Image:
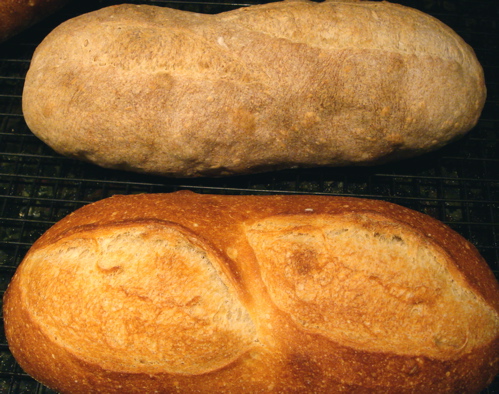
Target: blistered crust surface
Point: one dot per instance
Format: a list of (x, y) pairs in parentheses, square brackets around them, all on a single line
[(370, 283), (153, 298)]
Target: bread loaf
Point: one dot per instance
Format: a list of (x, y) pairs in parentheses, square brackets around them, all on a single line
[(280, 85), (17, 15), (201, 293)]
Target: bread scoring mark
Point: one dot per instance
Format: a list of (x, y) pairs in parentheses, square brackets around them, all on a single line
[(368, 282), (350, 25), (148, 294)]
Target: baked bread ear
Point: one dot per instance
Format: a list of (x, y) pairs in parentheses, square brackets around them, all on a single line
[(272, 86), (204, 293), (18, 15)]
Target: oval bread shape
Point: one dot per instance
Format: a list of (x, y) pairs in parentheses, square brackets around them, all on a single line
[(285, 84), (153, 299), (369, 283), (203, 293)]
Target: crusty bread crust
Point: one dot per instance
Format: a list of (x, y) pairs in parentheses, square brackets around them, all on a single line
[(17, 15), (204, 293), (285, 84)]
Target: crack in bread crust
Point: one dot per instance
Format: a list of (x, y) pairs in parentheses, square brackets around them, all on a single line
[(369, 283), (154, 297)]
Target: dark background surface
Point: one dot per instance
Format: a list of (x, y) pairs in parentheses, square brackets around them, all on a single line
[(458, 184)]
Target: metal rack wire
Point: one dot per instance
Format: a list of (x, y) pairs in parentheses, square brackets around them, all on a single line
[(458, 184)]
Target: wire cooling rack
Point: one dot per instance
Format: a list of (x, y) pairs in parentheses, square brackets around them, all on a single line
[(458, 184)]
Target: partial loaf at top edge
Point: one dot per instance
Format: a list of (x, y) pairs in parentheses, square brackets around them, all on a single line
[(16, 16)]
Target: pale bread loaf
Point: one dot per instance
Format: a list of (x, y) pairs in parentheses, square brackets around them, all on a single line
[(200, 293), (285, 84)]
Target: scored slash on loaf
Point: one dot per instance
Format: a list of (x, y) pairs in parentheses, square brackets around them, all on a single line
[(200, 293), (266, 87)]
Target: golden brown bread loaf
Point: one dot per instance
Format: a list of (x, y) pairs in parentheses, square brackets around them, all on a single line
[(17, 15), (200, 293), (285, 84)]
